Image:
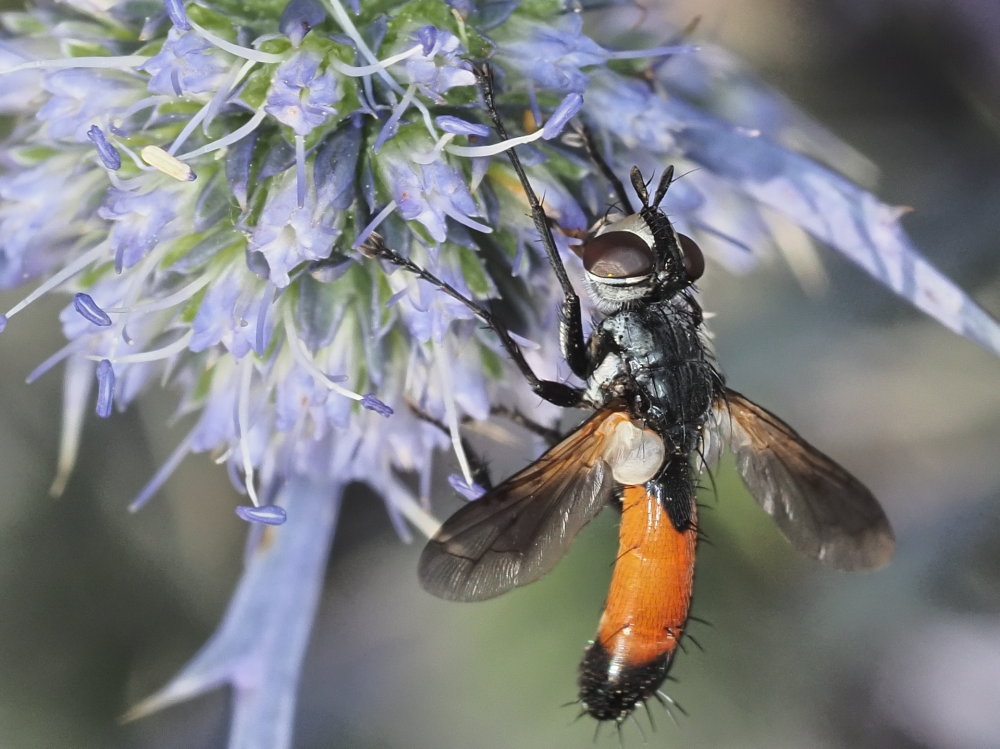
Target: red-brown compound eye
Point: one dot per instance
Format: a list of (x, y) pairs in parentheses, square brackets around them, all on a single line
[(618, 254), (694, 260)]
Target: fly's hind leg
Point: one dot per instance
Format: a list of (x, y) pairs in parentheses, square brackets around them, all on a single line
[(479, 466)]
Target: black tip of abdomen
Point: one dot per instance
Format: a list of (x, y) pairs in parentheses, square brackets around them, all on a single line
[(609, 693)]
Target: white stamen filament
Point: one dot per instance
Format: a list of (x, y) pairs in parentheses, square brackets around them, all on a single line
[(192, 123), (164, 352), (230, 138), (180, 296), (136, 160), (243, 427), (444, 362), (374, 224), (87, 258), (300, 170), (65, 63), (77, 383), (134, 288), (234, 49), (397, 114), (305, 360), (213, 104), (361, 71), (494, 148), (435, 153), (136, 107), (422, 520), (467, 221), (163, 473), (428, 120), (63, 353), (638, 54), (347, 26)]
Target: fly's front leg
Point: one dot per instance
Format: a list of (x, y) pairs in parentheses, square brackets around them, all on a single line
[(571, 340), (558, 393)]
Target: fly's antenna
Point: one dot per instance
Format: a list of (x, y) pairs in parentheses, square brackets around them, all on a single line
[(639, 186), (665, 181)]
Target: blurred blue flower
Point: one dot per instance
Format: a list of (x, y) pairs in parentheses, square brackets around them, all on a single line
[(307, 130)]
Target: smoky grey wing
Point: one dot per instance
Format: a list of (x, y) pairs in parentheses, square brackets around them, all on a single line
[(819, 507), (518, 531)]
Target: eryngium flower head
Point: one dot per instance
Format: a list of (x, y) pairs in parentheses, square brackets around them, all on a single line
[(197, 183)]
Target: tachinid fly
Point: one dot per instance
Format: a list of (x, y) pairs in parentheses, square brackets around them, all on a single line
[(661, 412)]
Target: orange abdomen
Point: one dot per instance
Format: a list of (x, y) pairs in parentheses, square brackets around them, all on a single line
[(646, 610)]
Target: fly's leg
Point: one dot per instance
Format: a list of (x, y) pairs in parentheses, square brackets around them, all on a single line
[(477, 464), (550, 435), (558, 393), (571, 338)]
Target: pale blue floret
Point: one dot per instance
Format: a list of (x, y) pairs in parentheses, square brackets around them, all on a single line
[(139, 219), (187, 64), (33, 244), (430, 193), (287, 234), (551, 56), (79, 98), (302, 96), (440, 67), (233, 313)]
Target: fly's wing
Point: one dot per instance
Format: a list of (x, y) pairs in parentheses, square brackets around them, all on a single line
[(517, 532), (820, 508)]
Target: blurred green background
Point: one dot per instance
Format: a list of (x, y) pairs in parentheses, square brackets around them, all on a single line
[(101, 607)]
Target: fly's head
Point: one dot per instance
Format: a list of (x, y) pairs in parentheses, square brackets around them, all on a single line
[(640, 259)]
